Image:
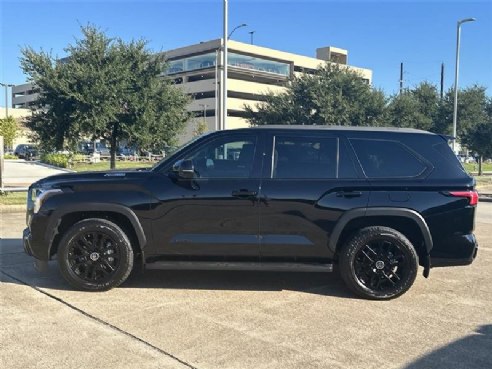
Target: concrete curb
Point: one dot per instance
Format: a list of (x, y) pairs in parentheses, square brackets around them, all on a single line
[(485, 197), (53, 167), (12, 209)]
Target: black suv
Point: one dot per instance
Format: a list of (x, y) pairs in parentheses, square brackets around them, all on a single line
[(376, 202)]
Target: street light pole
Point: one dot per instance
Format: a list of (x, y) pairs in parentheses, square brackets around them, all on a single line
[(204, 106), (217, 89), (456, 73), (6, 85), (251, 33), (235, 28), (224, 80)]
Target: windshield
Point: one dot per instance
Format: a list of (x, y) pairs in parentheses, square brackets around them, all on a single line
[(173, 153)]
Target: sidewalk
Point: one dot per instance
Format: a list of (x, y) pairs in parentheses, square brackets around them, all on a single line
[(21, 173)]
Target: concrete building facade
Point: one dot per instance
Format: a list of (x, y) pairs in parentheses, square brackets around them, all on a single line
[(253, 71), (24, 96)]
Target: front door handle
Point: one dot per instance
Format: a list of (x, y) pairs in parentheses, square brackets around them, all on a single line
[(244, 194), (349, 194)]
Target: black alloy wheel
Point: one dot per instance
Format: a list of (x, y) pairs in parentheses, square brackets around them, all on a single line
[(95, 254), (379, 263)]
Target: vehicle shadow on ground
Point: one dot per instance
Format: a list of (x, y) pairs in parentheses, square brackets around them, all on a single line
[(329, 284), (19, 266), (473, 351)]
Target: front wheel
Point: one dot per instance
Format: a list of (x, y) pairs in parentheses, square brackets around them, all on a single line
[(95, 255), (378, 263)]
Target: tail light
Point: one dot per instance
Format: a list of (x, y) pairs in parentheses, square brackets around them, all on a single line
[(471, 195)]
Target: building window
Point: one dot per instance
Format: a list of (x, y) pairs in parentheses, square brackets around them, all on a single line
[(258, 64), (235, 60), (191, 63)]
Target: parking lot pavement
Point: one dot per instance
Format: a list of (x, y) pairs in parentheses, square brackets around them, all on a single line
[(181, 319), (21, 173)]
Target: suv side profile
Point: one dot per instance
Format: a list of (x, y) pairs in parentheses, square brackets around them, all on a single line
[(378, 202), (25, 151)]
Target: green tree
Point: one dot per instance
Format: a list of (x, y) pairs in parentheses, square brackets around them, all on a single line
[(105, 89), (200, 128), (333, 95), (9, 130), (472, 109), (414, 108), (479, 139)]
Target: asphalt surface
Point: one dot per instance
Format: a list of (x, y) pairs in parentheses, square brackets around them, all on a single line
[(183, 319), (21, 173)]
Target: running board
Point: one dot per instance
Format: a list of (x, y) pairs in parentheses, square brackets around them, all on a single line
[(232, 265)]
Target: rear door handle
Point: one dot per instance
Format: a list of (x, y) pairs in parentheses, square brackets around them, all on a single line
[(244, 194), (349, 194)]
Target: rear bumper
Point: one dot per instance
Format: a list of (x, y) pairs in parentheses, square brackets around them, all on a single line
[(460, 250)]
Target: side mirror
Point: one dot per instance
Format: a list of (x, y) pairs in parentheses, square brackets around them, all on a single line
[(184, 169)]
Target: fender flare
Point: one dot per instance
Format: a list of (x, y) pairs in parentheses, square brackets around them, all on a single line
[(381, 211), (59, 213)]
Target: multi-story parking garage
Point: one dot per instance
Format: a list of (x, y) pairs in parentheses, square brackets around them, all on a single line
[(24, 96), (253, 71)]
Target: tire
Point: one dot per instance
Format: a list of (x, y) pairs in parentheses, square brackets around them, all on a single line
[(95, 255), (378, 263)]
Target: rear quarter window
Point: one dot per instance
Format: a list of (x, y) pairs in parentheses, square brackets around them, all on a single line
[(387, 159)]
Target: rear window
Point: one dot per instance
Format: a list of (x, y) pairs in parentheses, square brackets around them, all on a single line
[(387, 159), (298, 157), (449, 157)]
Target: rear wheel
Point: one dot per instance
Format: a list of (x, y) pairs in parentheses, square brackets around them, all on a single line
[(378, 263), (95, 255)]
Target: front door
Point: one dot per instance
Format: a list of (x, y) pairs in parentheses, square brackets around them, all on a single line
[(215, 213)]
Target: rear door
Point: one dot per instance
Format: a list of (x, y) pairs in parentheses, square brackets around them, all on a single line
[(310, 180)]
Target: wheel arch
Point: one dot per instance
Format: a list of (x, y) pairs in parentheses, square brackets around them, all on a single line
[(63, 218), (406, 221)]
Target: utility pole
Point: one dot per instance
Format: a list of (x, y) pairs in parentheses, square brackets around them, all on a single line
[(442, 81), (401, 78)]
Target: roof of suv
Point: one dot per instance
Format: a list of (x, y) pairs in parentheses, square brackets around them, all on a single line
[(342, 128)]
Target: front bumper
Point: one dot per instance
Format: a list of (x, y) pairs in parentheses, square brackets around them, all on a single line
[(26, 241), (40, 265), (36, 238)]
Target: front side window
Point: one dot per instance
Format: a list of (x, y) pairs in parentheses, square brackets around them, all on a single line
[(387, 159), (305, 157), (225, 158)]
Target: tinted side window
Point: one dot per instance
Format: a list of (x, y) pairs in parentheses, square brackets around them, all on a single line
[(225, 158), (386, 159), (305, 157)]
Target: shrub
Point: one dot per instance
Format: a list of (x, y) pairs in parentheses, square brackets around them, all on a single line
[(58, 160), (76, 158), (10, 156)]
